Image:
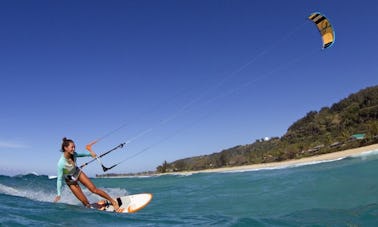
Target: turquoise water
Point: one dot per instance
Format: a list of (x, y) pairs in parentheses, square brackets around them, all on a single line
[(337, 193)]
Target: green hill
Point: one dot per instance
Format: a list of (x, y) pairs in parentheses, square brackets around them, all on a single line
[(350, 123)]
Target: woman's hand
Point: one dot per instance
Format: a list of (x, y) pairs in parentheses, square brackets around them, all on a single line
[(57, 198), (89, 148), (94, 155)]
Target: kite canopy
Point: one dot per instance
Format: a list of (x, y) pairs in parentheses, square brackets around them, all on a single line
[(325, 28)]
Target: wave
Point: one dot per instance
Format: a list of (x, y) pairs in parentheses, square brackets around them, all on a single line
[(238, 169), (31, 193), (26, 175), (41, 188), (285, 166), (365, 154)]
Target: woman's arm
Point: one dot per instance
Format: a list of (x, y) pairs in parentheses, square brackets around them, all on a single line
[(59, 183)]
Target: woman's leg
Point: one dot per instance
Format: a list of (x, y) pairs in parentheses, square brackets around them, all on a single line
[(76, 190), (88, 183)]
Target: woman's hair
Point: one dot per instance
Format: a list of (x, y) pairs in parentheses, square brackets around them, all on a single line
[(65, 143)]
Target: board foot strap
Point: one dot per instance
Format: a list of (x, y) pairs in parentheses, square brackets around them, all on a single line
[(119, 201)]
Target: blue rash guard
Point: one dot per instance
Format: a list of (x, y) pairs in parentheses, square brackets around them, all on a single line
[(68, 171)]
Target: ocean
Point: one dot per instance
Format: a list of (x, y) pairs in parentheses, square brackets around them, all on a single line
[(336, 193)]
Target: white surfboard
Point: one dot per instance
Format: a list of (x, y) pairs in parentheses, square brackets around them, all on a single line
[(127, 204)]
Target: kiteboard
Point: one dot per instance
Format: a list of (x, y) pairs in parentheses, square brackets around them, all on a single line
[(127, 204)]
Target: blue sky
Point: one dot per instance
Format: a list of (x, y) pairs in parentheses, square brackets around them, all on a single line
[(175, 78)]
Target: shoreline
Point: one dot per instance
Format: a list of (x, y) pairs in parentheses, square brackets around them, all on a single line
[(293, 162), (338, 155)]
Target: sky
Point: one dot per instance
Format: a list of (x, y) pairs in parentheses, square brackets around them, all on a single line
[(173, 79)]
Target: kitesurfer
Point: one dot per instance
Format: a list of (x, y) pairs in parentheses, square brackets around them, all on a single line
[(72, 174)]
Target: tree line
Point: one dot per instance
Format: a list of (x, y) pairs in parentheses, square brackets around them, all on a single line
[(350, 123)]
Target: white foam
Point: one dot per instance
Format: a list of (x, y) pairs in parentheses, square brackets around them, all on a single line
[(8, 190), (180, 174), (282, 166), (365, 154), (38, 195), (67, 196)]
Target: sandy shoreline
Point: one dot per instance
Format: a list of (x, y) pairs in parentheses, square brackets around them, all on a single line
[(318, 158)]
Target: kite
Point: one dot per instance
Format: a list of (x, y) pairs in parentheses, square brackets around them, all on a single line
[(325, 28)]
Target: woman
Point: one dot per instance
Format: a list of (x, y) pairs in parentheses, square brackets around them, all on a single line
[(72, 174)]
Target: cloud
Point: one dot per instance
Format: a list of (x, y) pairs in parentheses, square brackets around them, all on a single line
[(8, 144)]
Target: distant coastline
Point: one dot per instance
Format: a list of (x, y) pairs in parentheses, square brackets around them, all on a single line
[(287, 163), (293, 162)]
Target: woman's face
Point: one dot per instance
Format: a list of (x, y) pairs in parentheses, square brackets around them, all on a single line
[(70, 148)]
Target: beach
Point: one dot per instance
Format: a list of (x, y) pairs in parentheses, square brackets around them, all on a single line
[(293, 162)]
